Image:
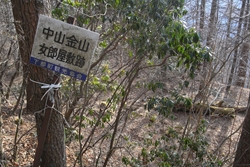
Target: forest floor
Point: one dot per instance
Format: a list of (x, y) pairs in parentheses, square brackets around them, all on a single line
[(223, 131), (220, 127)]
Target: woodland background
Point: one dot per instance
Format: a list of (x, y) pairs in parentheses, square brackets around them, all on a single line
[(168, 85)]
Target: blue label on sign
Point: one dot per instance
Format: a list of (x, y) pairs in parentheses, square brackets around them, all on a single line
[(57, 68)]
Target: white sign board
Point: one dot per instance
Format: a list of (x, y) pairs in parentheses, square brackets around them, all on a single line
[(63, 48)]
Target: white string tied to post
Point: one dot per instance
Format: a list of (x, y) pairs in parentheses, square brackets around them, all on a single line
[(50, 91)]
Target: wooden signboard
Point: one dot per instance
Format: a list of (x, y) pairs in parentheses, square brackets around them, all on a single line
[(63, 48)]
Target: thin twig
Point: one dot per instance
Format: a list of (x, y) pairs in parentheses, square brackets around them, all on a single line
[(28, 131), (220, 145)]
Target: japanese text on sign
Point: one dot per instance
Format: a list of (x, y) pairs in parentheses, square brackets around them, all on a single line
[(63, 48)]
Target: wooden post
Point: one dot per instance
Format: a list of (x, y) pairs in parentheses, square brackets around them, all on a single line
[(46, 120)]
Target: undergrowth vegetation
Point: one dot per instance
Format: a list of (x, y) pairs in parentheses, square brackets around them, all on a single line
[(140, 42), (146, 59)]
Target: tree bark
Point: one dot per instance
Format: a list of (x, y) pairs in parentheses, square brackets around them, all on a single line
[(212, 23), (197, 14), (244, 51), (227, 41), (230, 80), (242, 157), (1, 124), (25, 14), (204, 83), (243, 65), (202, 14)]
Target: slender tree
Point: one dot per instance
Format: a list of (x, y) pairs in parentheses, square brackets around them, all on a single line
[(244, 50), (226, 42), (197, 14), (211, 26), (25, 14), (239, 28), (202, 14)]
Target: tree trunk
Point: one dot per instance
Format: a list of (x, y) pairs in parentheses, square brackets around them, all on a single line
[(212, 23), (1, 124), (244, 51), (230, 80), (242, 157), (25, 14), (243, 65), (204, 83), (227, 41), (202, 14), (198, 96), (197, 13)]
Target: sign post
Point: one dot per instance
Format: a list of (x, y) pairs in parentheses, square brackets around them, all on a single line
[(65, 49)]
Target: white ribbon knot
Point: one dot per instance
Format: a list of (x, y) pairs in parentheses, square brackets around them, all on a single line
[(50, 91)]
